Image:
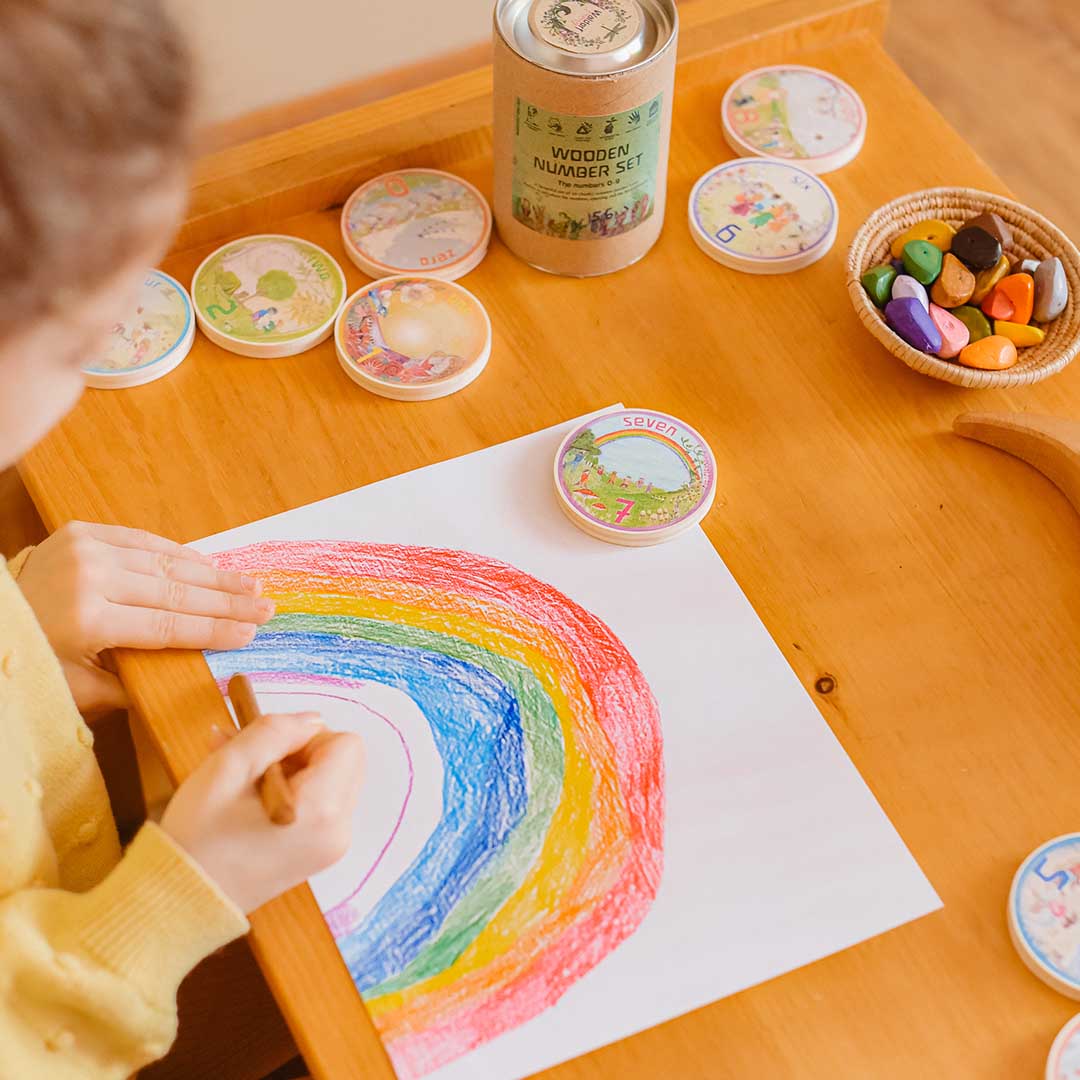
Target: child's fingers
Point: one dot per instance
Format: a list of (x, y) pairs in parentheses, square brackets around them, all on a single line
[(271, 738), (122, 537), (91, 683), (157, 564), (168, 594), (330, 782), (133, 627)]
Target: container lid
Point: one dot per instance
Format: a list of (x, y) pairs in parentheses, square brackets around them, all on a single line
[(151, 340), (1044, 913), (586, 37), (268, 295), (1063, 1061), (413, 337), (763, 216), (635, 477), (588, 27), (417, 221), (801, 114)]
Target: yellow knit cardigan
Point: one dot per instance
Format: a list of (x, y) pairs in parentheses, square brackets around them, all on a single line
[(93, 945)]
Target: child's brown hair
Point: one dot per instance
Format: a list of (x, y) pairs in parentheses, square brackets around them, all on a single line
[(95, 113)]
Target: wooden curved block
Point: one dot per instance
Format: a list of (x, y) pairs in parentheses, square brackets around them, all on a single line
[(1050, 443)]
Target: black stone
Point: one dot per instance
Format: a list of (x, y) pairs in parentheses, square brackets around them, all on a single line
[(976, 248)]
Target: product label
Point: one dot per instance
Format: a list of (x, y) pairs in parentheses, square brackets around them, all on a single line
[(585, 26), (586, 177)]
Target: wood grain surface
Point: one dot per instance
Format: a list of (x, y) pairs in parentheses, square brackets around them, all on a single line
[(998, 70), (1026, 41), (927, 584), (20, 523)]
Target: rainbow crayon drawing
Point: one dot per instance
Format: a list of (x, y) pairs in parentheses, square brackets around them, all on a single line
[(548, 847)]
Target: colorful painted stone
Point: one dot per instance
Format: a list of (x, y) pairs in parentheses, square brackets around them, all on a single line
[(922, 260), (1026, 266), (1020, 289), (912, 322), (878, 283), (906, 285), (954, 334), (985, 280), (1051, 290), (977, 323), (954, 284), (1020, 334), (999, 305), (976, 248), (933, 232), (994, 353), (996, 226)]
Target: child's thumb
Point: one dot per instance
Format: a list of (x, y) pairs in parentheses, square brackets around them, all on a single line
[(271, 738), (96, 690)]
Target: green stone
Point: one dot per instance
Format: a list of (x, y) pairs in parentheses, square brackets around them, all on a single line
[(922, 261), (877, 281), (977, 323)]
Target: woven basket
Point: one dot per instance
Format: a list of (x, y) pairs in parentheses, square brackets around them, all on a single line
[(1033, 238)]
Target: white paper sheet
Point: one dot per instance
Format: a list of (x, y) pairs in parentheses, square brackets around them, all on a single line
[(776, 853)]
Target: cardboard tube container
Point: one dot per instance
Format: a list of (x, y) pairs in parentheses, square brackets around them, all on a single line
[(583, 99)]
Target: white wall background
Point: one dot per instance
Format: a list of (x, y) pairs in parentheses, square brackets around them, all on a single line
[(260, 52)]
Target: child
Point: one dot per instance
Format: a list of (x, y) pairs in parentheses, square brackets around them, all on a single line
[(94, 128)]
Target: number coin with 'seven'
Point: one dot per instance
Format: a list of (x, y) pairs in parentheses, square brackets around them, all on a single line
[(635, 477)]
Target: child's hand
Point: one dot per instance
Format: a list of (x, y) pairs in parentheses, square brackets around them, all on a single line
[(217, 817), (98, 587)]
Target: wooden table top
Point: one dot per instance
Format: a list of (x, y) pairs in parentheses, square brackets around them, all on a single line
[(932, 578)]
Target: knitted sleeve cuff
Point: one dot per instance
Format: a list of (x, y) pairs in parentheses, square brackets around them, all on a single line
[(157, 915)]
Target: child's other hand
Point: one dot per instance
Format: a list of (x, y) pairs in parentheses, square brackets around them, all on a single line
[(217, 817), (98, 587)]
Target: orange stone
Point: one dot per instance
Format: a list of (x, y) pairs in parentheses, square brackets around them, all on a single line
[(954, 284), (1020, 289), (994, 353), (999, 305)]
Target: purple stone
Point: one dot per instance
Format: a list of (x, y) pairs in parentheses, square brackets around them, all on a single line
[(898, 266), (912, 322)]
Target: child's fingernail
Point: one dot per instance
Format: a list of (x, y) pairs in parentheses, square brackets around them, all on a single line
[(246, 632), (251, 585), (219, 737), (265, 607), (312, 718)]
